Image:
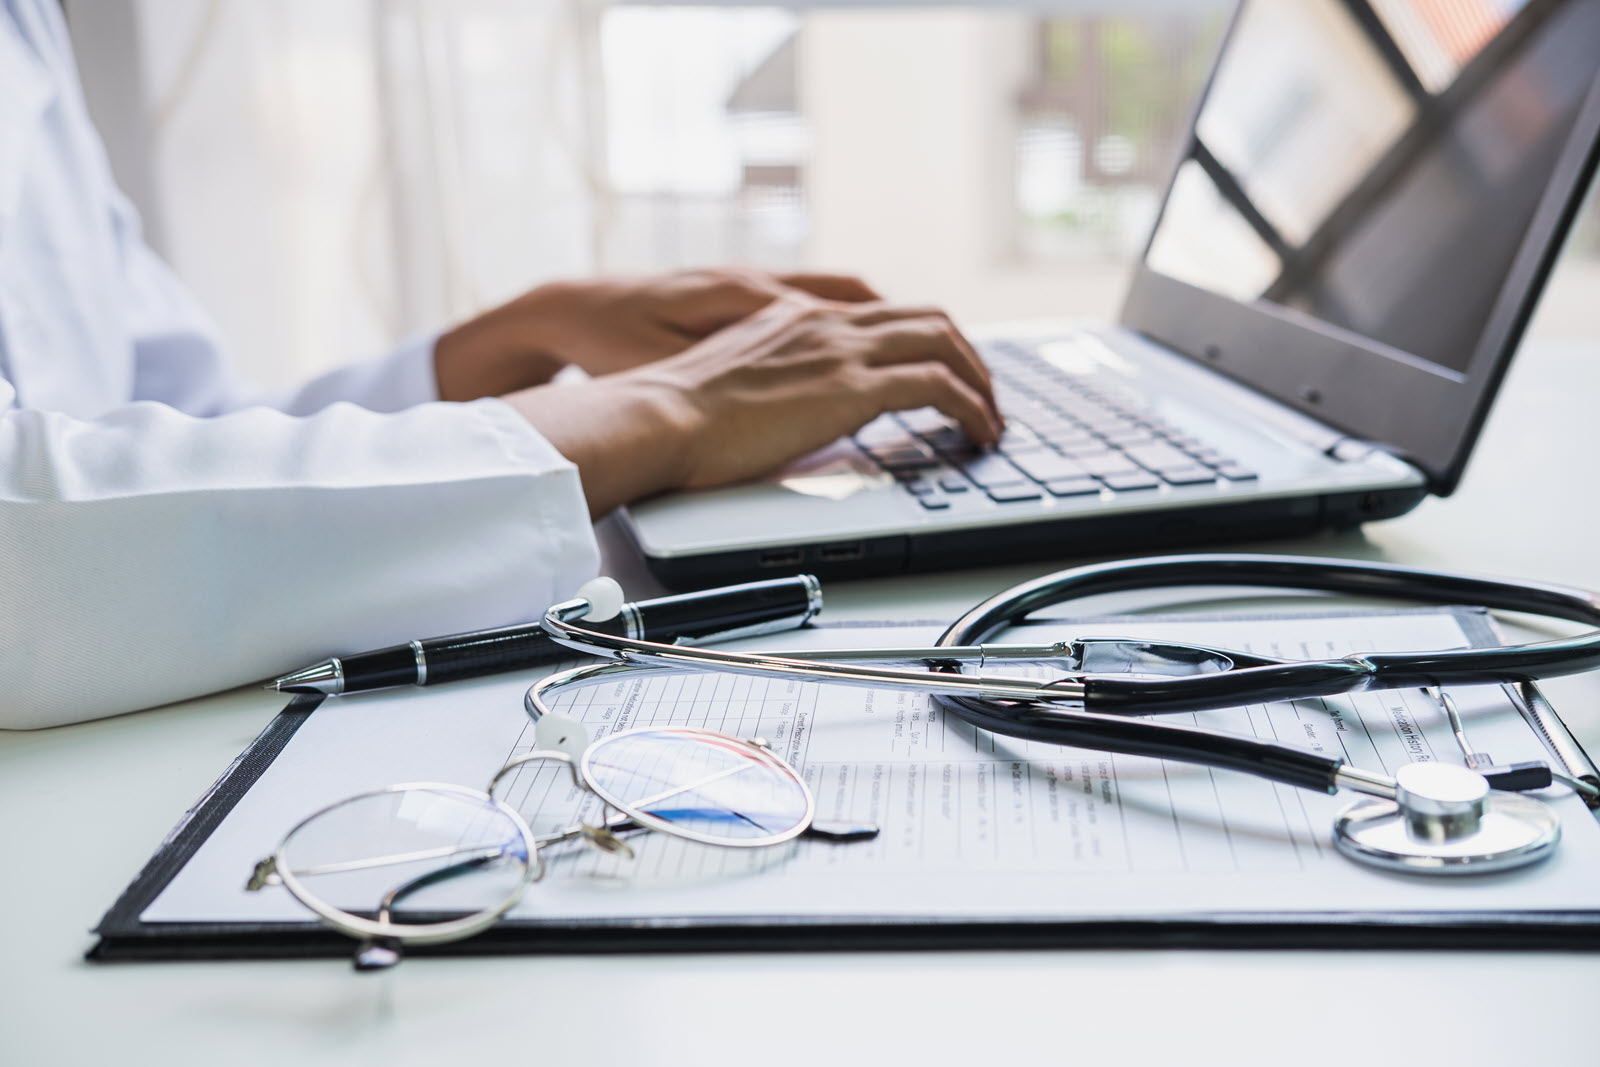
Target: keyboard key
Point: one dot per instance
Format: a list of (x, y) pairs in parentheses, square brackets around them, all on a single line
[(954, 483), (933, 503), (882, 432), (1018, 438), (1045, 424), (1020, 401), (991, 469), (907, 457), (1090, 446), (1007, 494), (1106, 463), (1101, 421), (950, 441), (920, 487), (1047, 466), (1126, 483), (1073, 487), (1078, 404), (1063, 433), (1159, 457), (1194, 475), (925, 421), (1127, 436), (1236, 472)]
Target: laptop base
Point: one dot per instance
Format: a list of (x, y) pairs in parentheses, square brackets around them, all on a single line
[(1063, 540)]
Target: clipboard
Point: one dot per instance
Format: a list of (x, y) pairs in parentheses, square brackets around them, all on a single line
[(123, 935)]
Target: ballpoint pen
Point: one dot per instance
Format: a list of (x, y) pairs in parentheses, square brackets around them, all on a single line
[(733, 611)]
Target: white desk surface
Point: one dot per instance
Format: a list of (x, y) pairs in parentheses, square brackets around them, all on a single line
[(1527, 509)]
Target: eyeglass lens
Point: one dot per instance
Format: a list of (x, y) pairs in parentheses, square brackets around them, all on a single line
[(699, 784), (423, 853)]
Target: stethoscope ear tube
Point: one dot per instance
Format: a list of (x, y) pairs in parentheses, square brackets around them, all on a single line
[(1136, 695), (1485, 666), (1135, 737)]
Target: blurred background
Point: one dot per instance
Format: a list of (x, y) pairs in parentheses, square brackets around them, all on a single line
[(332, 176)]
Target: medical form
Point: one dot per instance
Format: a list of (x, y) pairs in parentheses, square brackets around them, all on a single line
[(972, 826)]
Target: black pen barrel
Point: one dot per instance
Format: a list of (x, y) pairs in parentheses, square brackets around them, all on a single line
[(508, 648), (756, 607)]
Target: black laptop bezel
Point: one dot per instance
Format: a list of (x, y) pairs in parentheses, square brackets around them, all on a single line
[(1428, 415)]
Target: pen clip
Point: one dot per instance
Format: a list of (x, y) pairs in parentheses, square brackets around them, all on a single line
[(755, 629)]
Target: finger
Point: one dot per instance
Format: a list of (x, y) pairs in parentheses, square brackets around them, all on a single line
[(656, 340), (699, 303), (844, 288), (881, 313), (904, 386), (781, 315), (932, 337)]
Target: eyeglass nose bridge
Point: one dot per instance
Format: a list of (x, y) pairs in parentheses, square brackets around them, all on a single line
[(536, 756), (600, 835)]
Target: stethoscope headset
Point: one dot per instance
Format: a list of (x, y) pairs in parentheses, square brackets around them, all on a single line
[(1431, 817)]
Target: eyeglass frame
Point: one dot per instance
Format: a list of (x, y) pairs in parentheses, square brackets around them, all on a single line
[(274, 869)]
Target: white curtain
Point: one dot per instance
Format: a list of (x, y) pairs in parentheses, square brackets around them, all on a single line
[(336, 175)]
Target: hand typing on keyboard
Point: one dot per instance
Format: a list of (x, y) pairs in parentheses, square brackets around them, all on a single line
[(786, 380), (1062, 439)]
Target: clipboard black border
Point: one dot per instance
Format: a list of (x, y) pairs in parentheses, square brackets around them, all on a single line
[(124, 937)]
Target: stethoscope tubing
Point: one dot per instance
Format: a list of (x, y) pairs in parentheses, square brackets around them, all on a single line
[(1265, 684)]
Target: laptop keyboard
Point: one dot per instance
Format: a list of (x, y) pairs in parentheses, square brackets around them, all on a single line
[(1064, 438)]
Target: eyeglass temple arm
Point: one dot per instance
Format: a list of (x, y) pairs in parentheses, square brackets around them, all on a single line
[(380, 953)]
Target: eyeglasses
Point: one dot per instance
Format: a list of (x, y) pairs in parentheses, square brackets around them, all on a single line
[(429, 862)]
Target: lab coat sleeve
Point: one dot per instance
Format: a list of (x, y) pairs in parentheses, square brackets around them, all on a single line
[(392, 383), (148, 555), (179, 360)]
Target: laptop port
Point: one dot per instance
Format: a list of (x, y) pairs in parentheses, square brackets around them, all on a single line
[(842, 552), (781, 557)]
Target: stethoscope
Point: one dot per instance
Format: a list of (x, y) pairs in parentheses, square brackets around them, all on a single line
[(1430, 817)]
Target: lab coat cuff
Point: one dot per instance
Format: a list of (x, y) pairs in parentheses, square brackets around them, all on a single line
[(406, 375), (566, 537), (402, 379)]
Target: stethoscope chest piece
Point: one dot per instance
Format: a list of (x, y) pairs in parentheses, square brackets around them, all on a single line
[(1446, 820)]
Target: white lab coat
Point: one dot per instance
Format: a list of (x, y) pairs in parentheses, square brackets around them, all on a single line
[(162, 533)]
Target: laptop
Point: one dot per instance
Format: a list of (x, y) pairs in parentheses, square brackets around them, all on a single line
[(1367, 205)]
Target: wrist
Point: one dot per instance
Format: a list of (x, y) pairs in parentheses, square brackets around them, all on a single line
[(508, 348), (549, 312), (627, 435)]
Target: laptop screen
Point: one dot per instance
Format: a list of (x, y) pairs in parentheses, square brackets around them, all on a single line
[(1376, 164)]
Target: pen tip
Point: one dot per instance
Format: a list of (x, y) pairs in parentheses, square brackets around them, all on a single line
[(325, 677)]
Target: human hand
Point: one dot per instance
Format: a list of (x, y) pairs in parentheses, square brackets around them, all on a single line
[(770, 388), (606, 325)]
